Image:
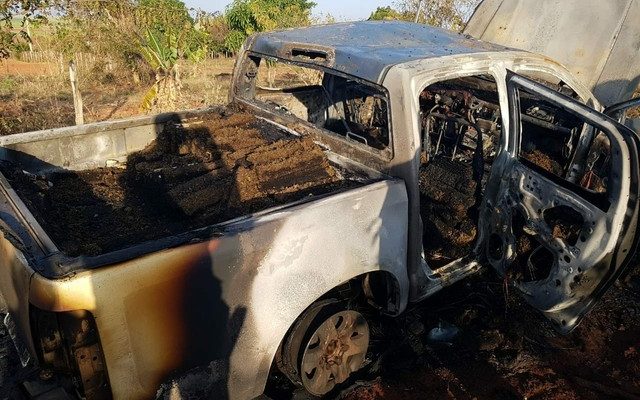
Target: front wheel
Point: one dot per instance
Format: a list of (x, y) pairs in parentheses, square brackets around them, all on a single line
[(325, 347)]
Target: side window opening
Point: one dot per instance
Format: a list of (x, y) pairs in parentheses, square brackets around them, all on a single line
[(549, 134), (461, 131), (335, 103), (357, 111), (552, 139)]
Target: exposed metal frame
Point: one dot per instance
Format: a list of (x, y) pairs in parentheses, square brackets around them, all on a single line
[(609, 257)]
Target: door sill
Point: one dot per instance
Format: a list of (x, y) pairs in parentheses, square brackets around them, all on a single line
[(445, 276)]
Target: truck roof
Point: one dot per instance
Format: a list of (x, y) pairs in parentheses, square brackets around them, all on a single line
[(367, 49)]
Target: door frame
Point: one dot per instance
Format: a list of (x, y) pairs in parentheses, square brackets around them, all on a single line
[(569, 307)]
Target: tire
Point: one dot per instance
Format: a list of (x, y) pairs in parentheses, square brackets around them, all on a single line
[(325, 347)]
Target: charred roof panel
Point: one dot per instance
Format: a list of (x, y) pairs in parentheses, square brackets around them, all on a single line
[(367, 49)]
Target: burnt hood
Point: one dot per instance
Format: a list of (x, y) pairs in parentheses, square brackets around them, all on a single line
[(597, 40)]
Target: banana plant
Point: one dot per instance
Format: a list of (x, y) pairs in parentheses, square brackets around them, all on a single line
[(161, 52)]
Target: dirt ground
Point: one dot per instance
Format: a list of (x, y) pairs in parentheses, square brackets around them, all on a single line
[(222, 166), (503, 350), (10, 67), (543, 161)]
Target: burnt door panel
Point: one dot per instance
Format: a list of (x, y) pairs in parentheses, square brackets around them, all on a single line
[(562, 232)]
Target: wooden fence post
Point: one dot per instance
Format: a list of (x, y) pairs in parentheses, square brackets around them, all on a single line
[(28, 29), (77, 98), (419, 11)]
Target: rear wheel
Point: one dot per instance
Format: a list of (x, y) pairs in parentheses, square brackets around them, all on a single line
[(325, 347)]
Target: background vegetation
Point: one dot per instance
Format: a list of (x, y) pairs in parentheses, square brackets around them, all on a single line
[(450, 14), (144, 55)]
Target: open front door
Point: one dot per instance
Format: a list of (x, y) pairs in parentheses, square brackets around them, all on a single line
[(562, 213)]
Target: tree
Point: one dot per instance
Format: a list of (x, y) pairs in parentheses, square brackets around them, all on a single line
[(387, 13), (245, 17), (20, 12), (141, 34), (161, 52), (217, 29), (169, 35), (323, 19), (450, 14)]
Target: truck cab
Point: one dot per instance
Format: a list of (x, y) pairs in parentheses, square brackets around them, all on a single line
[(458, 123), (505, 157)]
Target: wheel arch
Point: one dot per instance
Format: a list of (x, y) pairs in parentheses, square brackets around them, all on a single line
[(374, 285)]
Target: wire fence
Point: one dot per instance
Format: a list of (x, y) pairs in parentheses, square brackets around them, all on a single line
[(59, 62)]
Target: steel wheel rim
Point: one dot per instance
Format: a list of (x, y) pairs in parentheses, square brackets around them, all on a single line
[(336, 349)]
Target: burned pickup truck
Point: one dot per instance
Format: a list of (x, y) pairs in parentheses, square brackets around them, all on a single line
[(394, 160)]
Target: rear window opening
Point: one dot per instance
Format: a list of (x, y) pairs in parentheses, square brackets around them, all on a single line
[(335, 103), (461, 129)]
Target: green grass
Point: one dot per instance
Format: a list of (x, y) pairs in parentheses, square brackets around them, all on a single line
[(16, 22), (7, 85)]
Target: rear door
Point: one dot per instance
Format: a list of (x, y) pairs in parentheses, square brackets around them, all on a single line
[(562, 202)]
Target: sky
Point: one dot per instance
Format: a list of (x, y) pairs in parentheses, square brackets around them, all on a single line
[(342, 10)]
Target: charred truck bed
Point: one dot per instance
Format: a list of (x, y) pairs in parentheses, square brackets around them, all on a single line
[(193, 175)]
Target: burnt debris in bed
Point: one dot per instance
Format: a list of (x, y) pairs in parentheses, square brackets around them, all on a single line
[(195, 174)]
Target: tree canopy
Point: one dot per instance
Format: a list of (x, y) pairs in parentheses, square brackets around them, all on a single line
[(246, 17), (451, 14), (25, 11), (387, 13)]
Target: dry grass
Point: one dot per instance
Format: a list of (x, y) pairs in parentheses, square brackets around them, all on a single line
[(30, 103), (34, 97), (634, 112), (37, 95), (205, 83)]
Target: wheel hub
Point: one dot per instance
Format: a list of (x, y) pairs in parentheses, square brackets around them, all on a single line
[(334, 352), (336, 349)]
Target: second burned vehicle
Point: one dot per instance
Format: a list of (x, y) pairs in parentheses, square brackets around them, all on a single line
[(394, 160)]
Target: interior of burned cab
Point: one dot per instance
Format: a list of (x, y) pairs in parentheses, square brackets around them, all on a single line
[(336, 103), (461, 137), (461, 131)]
